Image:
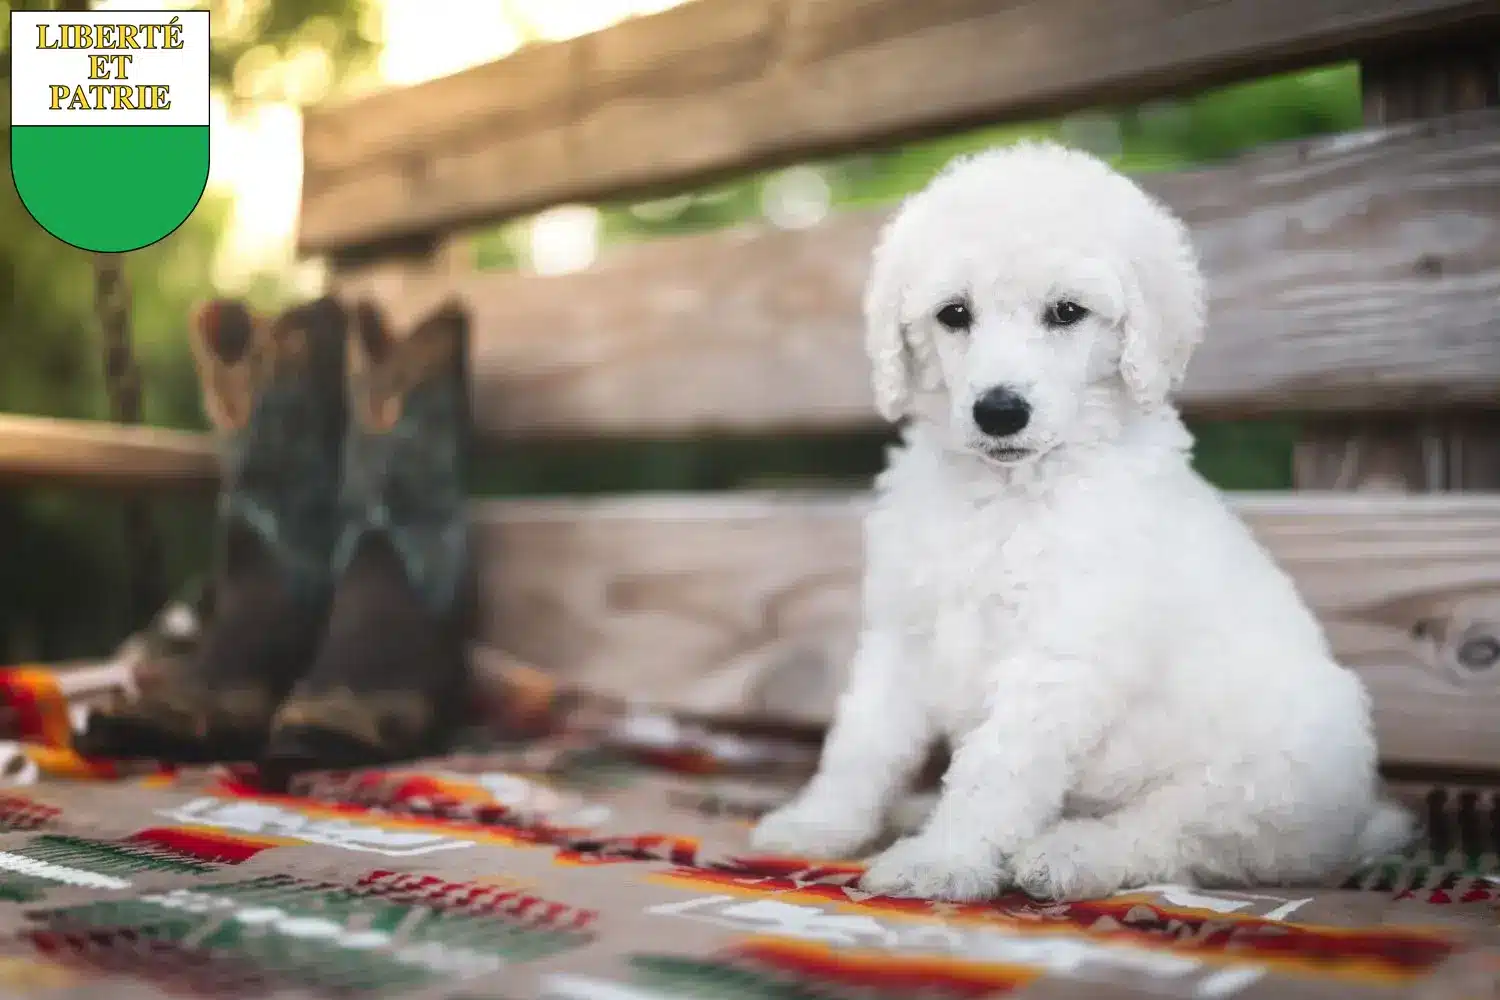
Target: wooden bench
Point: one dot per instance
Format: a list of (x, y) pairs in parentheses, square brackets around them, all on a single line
[(1355, 283)]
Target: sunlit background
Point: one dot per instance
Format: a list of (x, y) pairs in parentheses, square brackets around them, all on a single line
[(66, 578), (257, 150)]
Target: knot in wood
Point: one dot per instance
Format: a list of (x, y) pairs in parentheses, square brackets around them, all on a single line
[(1479, 652)]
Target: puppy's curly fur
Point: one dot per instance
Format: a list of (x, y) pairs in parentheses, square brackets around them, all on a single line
[(1134, 691)]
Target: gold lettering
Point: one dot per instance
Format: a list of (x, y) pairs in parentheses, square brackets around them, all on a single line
[(110, 64), (112, 97), (111, 36)]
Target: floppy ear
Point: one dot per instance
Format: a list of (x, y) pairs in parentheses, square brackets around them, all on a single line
[(891, 360), (1164, 306)]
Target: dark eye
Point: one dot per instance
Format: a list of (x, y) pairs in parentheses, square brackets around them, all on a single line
[(1064, 313), (956, 316)]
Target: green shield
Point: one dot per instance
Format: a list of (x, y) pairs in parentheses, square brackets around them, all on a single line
[(109, 142)]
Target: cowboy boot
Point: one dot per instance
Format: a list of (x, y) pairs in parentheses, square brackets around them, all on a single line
[(391, 680), (274, 391)]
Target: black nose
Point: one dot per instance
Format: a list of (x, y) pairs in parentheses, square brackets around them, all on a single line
[(1001, 412)]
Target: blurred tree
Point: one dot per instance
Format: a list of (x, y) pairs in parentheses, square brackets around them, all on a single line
[(62, 572)]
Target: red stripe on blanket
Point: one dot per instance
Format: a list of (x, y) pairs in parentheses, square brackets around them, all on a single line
[(203, 845)]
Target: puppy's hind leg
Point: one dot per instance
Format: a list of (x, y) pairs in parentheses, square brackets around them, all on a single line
[(1159, 837)]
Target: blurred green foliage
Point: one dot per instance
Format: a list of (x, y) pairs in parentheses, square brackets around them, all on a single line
[(61, 552), (61, 573)]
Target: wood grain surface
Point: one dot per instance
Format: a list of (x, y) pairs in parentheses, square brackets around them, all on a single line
[(721, 86), (1415, 449), (1354, 273), (43, 451), (749, 602)]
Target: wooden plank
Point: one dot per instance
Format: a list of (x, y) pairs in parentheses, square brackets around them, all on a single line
[(718, 86), (1324, 257), (1413, 451), (1359, 272), (44, 451), (749, 602)]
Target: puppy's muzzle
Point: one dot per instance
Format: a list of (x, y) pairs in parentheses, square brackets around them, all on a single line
[(1001, 413)]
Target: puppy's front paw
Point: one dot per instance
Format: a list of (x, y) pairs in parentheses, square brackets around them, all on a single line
[(923, 868), (815, 830), (1065, 866)]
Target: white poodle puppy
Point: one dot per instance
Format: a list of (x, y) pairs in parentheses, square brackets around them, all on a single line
[(1133, 690)]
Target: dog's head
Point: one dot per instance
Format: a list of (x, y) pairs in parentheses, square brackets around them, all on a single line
[(1026, 298)]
